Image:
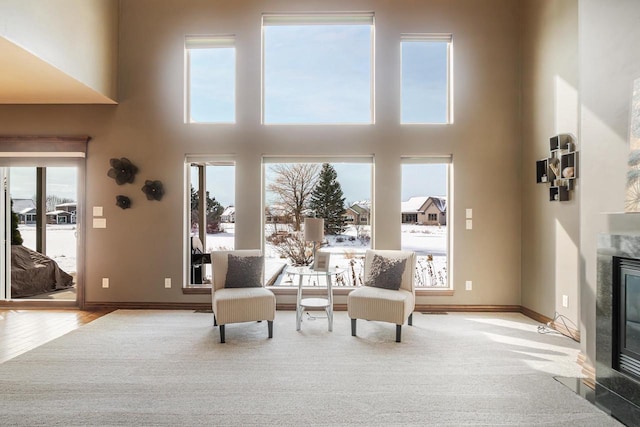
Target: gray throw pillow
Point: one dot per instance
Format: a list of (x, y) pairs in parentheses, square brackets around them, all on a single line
[(244, 271), (385, 273)]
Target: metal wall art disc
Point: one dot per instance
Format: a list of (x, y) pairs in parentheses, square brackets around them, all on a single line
[(122, 170)]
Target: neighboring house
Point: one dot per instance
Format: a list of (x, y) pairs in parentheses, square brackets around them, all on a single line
[(425, 210), (65, 213), (26, 210), (229, 214), (359, 213), (277, 214)]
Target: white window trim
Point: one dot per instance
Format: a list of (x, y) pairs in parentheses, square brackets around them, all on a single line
[(206, 42), (337, 18), (432, 37)]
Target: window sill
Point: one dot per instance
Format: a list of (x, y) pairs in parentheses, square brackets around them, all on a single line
[(320, 290)]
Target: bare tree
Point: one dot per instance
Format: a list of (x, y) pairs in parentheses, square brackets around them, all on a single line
[(292, 185)]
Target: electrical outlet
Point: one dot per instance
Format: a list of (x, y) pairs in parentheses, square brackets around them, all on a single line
[(565, 301), (167, 282), (468, 285), (105, 282)]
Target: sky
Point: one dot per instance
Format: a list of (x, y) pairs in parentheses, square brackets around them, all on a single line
[(322, 74), (61, 182), (313, 74)]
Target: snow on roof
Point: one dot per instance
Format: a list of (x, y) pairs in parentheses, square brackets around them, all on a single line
[(58, 212), (20, 205), (230, 210), (440, 203), (413, 204), (66, 204)]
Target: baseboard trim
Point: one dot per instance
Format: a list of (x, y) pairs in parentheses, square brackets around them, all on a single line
[(439, 308), (148, 305), (588, 370)]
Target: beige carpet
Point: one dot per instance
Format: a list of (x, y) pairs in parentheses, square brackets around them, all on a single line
[(168, 368)]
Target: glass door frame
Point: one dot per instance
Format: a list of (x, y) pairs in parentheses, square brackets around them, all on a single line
[(43, 152)]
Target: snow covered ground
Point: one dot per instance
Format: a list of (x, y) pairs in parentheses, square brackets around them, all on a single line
[(347, 250), (60, 241)]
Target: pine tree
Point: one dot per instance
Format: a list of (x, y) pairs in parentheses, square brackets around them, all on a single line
[(327, 200), (16, 238)]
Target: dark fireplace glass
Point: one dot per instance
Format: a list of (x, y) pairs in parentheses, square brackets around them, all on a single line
[(627, 310)]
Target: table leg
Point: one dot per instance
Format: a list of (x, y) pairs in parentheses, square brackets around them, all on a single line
[(298, 303)]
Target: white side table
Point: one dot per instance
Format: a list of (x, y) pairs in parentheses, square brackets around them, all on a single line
[(314, 303)]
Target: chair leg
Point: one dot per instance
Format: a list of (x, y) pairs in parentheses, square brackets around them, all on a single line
[(353, 327), (398, 332), (410, 321), (270, 328), (215, 322), (222, 333)]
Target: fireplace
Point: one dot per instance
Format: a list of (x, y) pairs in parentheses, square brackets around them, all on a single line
[(618, 327), (626, 315)]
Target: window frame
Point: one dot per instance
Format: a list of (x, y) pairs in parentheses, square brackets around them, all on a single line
[(208, 42), (319, 159), (330, 18), (200, 161), (448, 161), (426, 38)]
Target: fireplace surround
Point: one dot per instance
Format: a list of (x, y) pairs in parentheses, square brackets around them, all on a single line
[(617, 345)]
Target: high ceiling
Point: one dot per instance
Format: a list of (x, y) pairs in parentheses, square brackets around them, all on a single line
[(26, 79)]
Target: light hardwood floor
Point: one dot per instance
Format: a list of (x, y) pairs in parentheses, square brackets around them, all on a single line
[(24, 330)]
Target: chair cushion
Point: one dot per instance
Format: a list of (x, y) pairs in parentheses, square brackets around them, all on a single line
[(385, 273), (243, 305), (244, 272), (371, 303)]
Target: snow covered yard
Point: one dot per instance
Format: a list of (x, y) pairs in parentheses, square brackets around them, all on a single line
[(347, 250)]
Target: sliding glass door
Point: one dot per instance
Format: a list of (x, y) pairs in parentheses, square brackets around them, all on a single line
[(40, 224)]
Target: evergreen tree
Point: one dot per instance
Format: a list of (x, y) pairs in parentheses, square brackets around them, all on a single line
[(327, 200), (16, 237)]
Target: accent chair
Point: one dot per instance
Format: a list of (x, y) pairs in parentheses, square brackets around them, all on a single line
[(238, 293), (388, 294)]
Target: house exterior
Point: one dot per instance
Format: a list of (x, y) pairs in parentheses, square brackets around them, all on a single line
[(358, 213), (64, 213), (26, 210), (425, 210), (229, 214)]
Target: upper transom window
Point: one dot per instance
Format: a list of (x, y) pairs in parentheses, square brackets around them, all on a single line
[(318, 69), (210, 63), (426, 70)]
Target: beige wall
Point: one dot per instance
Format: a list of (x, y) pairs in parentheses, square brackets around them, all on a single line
[(77, 37), (609, 63), (143, 245), (550, 230)]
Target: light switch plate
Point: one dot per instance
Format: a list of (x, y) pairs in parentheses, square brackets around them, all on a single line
[(99, 222), (105, 282), (167, 282), (468, 285), (97, 211), (469, 213), (469, 224)]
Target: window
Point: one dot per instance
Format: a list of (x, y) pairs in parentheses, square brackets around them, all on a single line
[(425, 213), (211, 224), (210, 79), (426, 74), (318, 69), (337, 189)]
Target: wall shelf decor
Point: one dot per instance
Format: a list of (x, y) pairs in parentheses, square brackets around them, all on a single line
[(560, 169)]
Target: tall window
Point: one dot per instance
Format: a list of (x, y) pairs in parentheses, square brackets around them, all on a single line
[(211, 213), (336, 189), (318, 69), (425, 218), (210, 63), (426, 74)]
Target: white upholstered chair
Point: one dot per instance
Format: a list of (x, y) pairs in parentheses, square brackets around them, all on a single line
[(386, 305), (239, 304)]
